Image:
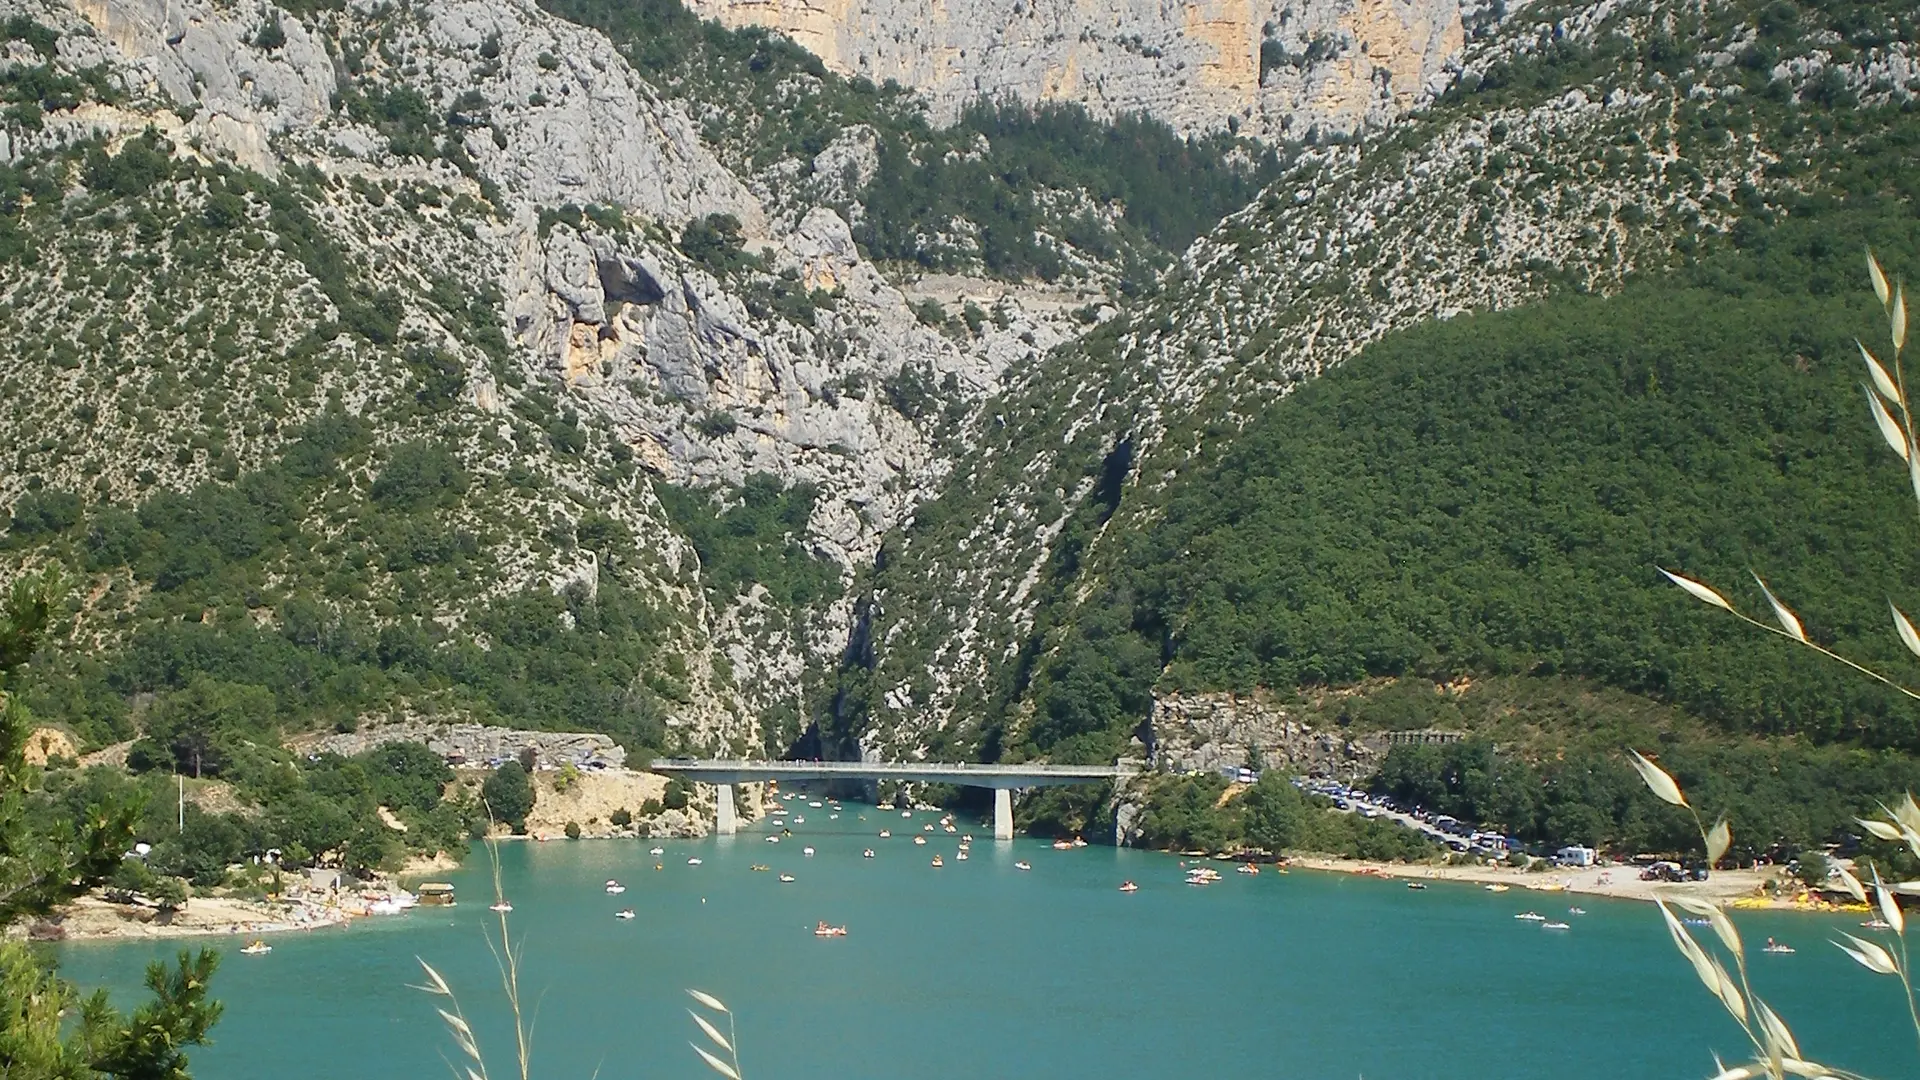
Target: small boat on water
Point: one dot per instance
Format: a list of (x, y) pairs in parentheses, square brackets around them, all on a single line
[(952, 829), (962, 856), (1773, 946), (657, 852), (885, 833), (1416, 884), (1698, 922), (695, 861), (1576, 911), (623, 913), (759, 867), (779, 823), (256, 947), (1877, 923), (928, 827), (502, 907), (1077, 842), (786, 878), (966, 838), (1247, 868), (615, 888), (815, 805), (921, 840), (821, 929), (1531, 916), (1062, 845), (867, 854), (906, 813), (807, 851), (1128, 886), (773, 839), (1555, 926), (833, 817), (938, 861), (798, 820), (1023, 865), (1498, 888)]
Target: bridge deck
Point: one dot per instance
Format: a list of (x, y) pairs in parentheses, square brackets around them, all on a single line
[(987, 776)]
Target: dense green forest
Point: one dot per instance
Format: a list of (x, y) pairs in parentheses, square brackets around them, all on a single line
[(1019, 191), (1492, 494)]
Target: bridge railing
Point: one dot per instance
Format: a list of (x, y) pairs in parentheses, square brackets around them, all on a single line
[(883, 768)]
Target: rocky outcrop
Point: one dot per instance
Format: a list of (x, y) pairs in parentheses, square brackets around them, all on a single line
[(1270, 67), (478, 744), (1216, 731)]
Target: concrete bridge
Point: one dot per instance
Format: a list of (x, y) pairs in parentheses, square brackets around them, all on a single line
[(1001, 778)]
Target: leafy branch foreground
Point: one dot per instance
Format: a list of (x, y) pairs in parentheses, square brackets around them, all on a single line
[(47, 1030)]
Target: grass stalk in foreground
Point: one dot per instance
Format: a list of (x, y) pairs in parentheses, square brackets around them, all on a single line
[(1776, 1053)]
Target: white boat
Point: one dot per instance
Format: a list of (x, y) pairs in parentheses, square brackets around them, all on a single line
[(966, 838), (657, 852), (798, 820), (779, 823), (256, 948), (1877, 924), (1077, 842), (623, 913), (1128, 886), (1531, 916), (1498, 888), (962, 856), (1576, 911), (1023, 865), (385, 907), (815, 805), (928, 827), (784, 878), (1062, 845), (614, 888), (920, 840), (938, 861), (867, 854), (1247, 868), (833, 817), (885, 833), (1773, 946), (693, 862), (773, 839), (1555, 926), (502, 907), (906, 813), (808, 852)]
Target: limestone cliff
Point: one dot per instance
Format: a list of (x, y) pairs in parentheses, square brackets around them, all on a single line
[(1270, 67)]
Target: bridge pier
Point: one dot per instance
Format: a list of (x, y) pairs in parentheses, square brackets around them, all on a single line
[(725, 824), (1002, 813)]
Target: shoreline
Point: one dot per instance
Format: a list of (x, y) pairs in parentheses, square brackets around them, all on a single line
[(1741, 889), (91, 918)]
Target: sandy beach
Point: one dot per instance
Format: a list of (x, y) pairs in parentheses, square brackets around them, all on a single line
[(90, 918), (1730, 888)]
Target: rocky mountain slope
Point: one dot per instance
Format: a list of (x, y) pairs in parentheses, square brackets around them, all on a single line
[(464, 290), (1269, 68), (1583, 146)]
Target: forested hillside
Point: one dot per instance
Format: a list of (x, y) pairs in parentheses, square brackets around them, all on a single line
[(1609, 338)]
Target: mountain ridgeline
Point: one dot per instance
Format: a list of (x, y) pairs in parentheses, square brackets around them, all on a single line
[(592, 366)]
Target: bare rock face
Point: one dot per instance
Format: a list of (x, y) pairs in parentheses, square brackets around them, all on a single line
[(1215, 731), (1273, 66)]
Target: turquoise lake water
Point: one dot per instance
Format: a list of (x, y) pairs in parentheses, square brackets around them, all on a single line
[(980, 970)]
